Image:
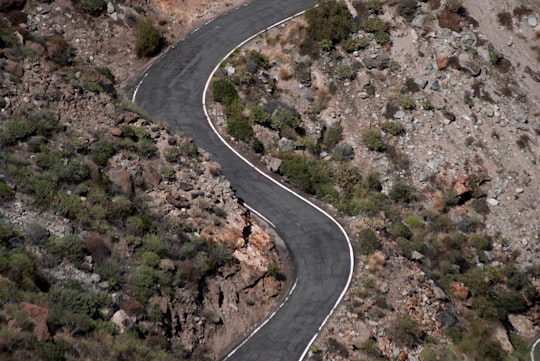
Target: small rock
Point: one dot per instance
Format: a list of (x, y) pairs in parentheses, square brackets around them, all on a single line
[(186, 187), (442, 61), (435, 85), (439, 293), (110, 8), (122, 320), (416, 256), (519, 190), (492, 202), (400, 114), (532, 21)]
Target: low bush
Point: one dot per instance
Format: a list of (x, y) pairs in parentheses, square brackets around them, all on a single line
[(394, 128), (402, 192), (223, 91), (407, 9), (368, 241), (6, 192), (240, 129), (405, 331), (92, 7), (102, 151), (330, 20), (373, 139), (148, 38)]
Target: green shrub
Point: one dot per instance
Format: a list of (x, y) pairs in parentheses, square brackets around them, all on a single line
[(168, 173), (405, 331), (144, 282), (151, 243), (374, 25), (369, 242), (260, 116), (15, 130), (511, 302), (332, 136), (402, 192), (6, 192), (44, 189), (150, 259), (102, 151), (373, 139), (171, 155), (399, 229), (303, 172), (223, 91), (283, 117), (92, 7), (346, 72), (408, 103), (374, 5), (257, 146), (189, 148), (148, 38), (329, 20), (146, 147), (68, 247), (110, 270), (394, 128), (78, 301), (70, 206), (259, 59), (138, 224), (240, 128)]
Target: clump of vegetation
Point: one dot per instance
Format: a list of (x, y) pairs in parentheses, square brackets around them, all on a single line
[(368, 240), (330, 20), (92, 7), (148, 38), (407, 9), (394, 128), (373, 139), (224, 92), (378, 28)]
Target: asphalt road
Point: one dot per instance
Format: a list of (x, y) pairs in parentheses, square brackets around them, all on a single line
[(171, 90)]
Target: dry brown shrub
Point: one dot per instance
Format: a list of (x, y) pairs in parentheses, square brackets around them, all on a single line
[(96, 246), (295, 32), (375, 262), (450, 20), (286, 72), (521, 11), (505, 19), (132, 307)]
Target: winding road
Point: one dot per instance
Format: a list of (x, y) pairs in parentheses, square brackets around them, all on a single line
[(172, 90)]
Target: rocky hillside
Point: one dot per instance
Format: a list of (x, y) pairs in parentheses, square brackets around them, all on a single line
[(119, 239), (418, 122)]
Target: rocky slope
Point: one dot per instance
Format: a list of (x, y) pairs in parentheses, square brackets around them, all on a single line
[(129, 236), (451, 93)]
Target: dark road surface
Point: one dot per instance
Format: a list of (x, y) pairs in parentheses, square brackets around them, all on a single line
[(171, 90)]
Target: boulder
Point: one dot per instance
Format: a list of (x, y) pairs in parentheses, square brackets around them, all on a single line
[(470, 66), (186, 187), (379, 61), (151, 176), (442, 61), (272, 163), (14, 68), (363, 335), (177, 200), (122, 179), (122, 321)]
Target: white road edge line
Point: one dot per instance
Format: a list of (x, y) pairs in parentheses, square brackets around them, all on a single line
[(351, 253), (533, 347), (251, 209)]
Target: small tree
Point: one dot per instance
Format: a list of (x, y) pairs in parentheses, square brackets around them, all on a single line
[(148, 40)]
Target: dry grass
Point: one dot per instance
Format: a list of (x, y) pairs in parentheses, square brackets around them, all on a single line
[(295, 33), (375, 262), (286, 72)]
